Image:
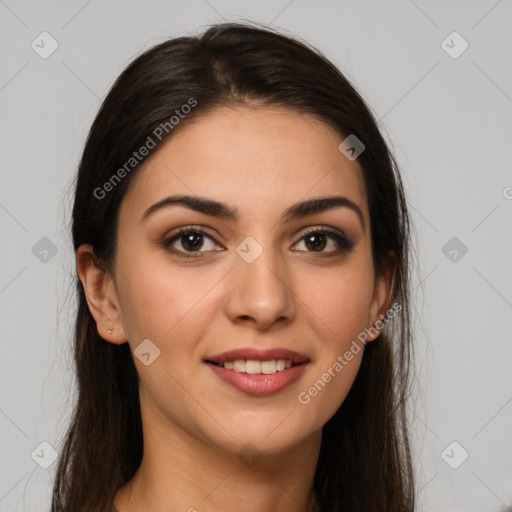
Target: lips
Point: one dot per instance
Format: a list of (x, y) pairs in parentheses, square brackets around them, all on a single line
[(241, 369), (258, 355)]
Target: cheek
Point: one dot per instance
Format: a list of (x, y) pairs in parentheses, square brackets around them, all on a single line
[(342, 313), (339, 301), (328, 386), (157, 298)]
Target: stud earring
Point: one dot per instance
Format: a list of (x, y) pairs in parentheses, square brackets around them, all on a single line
[(110, 330)]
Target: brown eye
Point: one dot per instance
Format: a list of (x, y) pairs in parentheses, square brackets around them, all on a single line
[(317, 240), (192, 241), (189, 241)]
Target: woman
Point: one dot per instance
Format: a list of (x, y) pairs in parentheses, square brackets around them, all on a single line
[(243, 334)]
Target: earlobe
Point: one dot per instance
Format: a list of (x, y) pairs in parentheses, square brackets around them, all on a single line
[(100, 294)]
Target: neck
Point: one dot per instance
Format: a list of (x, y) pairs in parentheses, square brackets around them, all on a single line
[(184, 473)]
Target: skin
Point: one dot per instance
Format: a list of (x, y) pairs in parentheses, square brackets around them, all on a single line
[(291, 296)]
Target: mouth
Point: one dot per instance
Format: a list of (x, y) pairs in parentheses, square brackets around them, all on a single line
[(258, 372), (255, 367), (257, 361)]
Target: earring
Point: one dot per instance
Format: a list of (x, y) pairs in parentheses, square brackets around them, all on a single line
[(110, 330)]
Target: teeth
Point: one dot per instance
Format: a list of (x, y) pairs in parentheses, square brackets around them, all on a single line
[(268, 367), (253, 367), (239, 365)]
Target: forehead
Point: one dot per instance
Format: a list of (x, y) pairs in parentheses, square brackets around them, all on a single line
[(257, 159)]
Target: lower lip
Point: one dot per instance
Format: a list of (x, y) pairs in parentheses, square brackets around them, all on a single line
[(260, 384)]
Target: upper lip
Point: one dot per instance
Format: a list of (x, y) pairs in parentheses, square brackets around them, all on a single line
[(259, 355)]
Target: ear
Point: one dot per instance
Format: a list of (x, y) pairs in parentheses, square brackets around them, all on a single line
[(100, 294), (381, 300)]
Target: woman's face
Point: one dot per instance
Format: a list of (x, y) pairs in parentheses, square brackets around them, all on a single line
[(255, 280)]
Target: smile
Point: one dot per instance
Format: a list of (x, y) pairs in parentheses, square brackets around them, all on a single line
[(254, 367), (258, 383)]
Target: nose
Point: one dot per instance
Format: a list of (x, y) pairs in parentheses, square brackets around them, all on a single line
[(260, 293)]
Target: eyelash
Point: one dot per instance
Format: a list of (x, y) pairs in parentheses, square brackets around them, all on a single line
[(344, 244)]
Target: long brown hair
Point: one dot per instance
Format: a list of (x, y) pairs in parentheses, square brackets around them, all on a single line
[(364, 462)]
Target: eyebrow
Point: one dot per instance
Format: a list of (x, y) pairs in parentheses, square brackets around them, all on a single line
[(222, 211)]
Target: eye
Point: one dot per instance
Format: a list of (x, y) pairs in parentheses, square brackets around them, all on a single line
[(188, 241), (191, 240), (318, 239)]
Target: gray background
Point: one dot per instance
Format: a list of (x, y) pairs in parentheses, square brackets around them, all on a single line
[(449, 123)]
